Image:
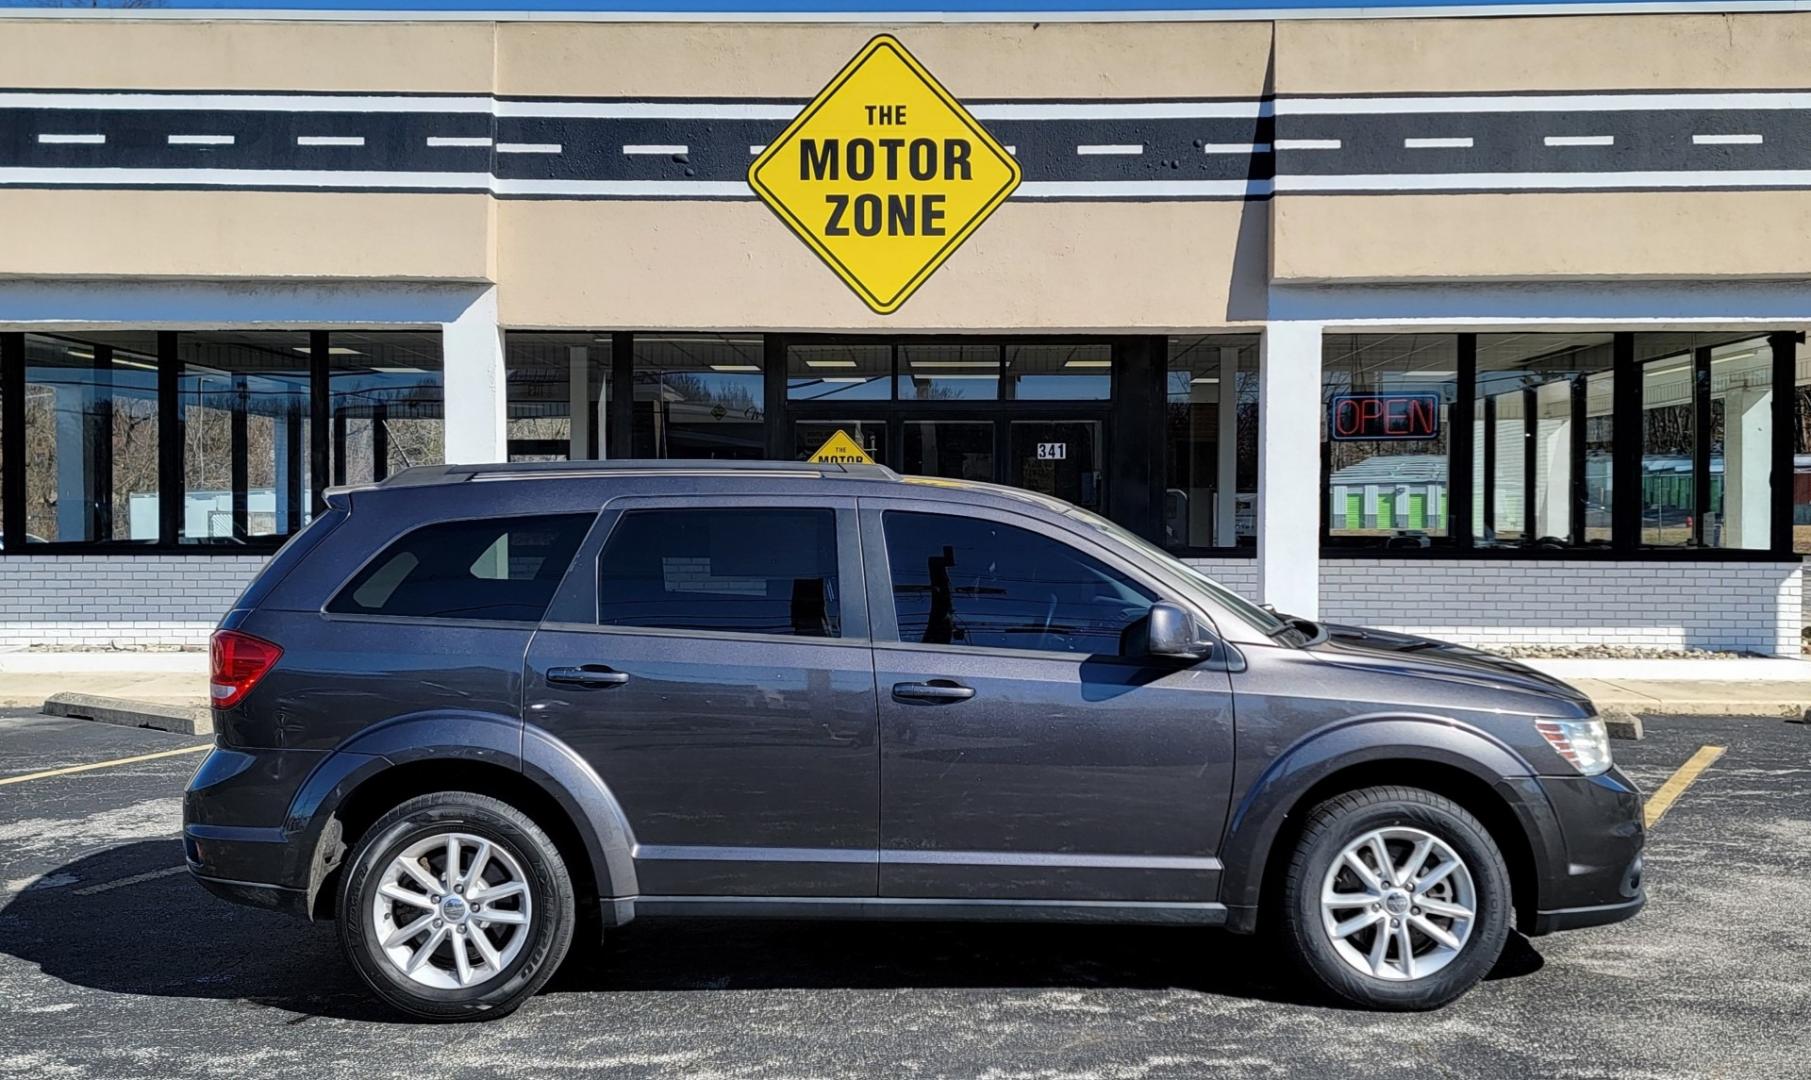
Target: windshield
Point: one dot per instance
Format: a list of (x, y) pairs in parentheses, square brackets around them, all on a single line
[(1253, 615)]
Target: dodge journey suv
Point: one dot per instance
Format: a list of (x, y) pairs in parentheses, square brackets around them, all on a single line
[(472, 710)]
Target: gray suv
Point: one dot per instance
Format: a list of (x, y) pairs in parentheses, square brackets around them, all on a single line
[(473, 710)]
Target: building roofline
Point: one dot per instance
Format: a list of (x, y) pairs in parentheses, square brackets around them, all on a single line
[(1254, 14)]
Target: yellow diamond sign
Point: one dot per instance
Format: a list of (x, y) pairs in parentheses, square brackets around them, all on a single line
[(884, 174), (840, 449)]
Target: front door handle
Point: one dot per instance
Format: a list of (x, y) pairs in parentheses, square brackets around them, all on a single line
[(589, 676), (937, 691)]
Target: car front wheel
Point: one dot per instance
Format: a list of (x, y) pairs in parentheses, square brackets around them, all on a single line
[(455, 906), (1396, 898)]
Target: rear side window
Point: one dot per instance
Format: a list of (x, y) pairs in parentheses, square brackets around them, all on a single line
[(754, 571), (965, 581), (496, 568)]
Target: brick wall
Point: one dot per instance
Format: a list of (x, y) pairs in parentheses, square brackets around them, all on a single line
[(1754, 607), (1741, 606), (86, 600)]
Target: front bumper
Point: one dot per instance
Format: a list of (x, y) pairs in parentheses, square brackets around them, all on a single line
[(1601, 878)]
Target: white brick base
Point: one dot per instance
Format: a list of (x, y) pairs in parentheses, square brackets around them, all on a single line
[(1739, 606), (88, 600), (120, 600)]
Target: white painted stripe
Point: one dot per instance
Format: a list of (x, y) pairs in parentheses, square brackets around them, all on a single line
[(1580, 140), (646, 189), (1726, 140), (301, 178), (1147, 189), (388, 103), (72, 140), (1457, 143), (1306, 144), (458, 140), (201, 140), (528, 148), (1100, 149), (1496, 181), (330, 140), (655, 149), (650, 110), (1121, 110), (1502, 103), (135, 879), (1235, 148), (756, 150), (1013, 150)]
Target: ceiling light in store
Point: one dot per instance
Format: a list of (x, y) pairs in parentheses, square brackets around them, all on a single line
[(735, 367), (135, 363), (398, 370), (844, 378), (1088, 363), (1205, 379), (80, 354), (950, 375), (829, 363), (332, 350), (955, 363)]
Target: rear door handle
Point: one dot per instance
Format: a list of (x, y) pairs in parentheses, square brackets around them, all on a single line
[(589, 676), (938, 691)]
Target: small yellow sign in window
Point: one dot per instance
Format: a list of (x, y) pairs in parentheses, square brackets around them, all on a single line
[(840, 449)]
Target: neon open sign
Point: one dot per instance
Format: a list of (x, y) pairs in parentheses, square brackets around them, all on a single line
[(1385, 417)]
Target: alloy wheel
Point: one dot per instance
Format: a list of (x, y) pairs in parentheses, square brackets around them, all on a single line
[(452, 911), (1398, 903)]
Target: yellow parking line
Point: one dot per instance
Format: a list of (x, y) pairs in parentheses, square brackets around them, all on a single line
[(102, 764), (1680, 780)]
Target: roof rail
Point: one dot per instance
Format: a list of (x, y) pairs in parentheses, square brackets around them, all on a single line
[(423, 475)]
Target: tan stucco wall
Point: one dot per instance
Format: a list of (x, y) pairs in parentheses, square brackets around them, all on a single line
[(245, 234), (1649, 52), (977, 60), (1645, 234), (1105, 266), (123, 53)]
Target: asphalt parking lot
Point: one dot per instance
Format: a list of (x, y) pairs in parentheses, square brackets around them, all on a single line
[(114, 964)]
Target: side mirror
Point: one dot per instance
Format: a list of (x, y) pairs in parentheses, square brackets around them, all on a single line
[(1167, 631)]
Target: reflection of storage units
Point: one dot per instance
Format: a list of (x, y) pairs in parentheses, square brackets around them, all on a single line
[(1389, 494)]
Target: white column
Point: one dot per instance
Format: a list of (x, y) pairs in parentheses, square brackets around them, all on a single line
[(1747, 456), (1226, 482), (476, 428), (1289, 456), (578, 402)]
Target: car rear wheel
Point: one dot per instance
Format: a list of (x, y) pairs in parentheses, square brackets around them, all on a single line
[(456, 906), (1396, 898)]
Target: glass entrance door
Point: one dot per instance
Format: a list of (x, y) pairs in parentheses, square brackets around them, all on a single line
[(956, 449), (1061, 458)]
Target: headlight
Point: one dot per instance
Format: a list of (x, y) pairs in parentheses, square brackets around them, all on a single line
[(1585, 743)]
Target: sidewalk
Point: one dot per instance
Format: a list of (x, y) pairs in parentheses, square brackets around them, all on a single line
[(1777, 688)]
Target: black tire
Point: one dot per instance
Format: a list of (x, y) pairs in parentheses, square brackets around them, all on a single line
[(1339, 821), (550, 892)]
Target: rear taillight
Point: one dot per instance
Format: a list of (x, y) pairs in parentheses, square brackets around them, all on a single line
[(238, 662)]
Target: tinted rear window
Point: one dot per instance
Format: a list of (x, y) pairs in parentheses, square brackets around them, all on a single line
[(753, 571), (496, 568)]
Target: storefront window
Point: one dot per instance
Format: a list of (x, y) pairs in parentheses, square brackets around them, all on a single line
[(387, 406), (1059, 372), (552, 380), (1741, 445), (1540, 399), (699, 396), (949, 372), (244, 411), (1801, 449), (1388, 400), (90, 437), (834, 373), (1211, 441)]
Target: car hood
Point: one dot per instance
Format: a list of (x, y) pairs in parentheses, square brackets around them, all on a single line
[(1422, 657)]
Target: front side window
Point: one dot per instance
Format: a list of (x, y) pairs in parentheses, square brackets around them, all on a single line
[(729, 570), (967, 581), (503, 569)]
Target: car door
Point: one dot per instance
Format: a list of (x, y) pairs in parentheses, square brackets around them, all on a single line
[(709, 658), (1021, 757)]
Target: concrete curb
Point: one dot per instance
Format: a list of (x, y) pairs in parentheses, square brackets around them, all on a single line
[(183, 719), (1776, 709)]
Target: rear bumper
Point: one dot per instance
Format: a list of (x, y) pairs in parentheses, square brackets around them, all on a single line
[(254, 894)]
